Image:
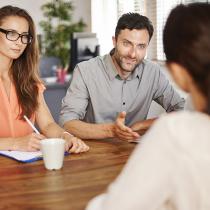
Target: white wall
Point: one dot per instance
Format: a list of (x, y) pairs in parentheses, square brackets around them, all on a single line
[(104, 20), (82, 10)]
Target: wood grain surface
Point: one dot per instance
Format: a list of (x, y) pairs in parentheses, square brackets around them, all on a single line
[(31, 186)]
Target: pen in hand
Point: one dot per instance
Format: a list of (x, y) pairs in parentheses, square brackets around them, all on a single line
[(31, 124)]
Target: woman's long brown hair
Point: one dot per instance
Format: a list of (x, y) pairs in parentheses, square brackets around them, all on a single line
[(24, 70), (186, 39)]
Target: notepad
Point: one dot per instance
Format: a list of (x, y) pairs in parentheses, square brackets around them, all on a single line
[(25, 157)]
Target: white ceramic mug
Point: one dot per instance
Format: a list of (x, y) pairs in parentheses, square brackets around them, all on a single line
[(53, 153)]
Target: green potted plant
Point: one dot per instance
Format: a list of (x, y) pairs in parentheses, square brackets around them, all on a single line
[(57, 28)]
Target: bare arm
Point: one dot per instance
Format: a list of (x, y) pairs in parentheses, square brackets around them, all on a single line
[(29, 142), (6, 143), (50, 129), (142, 126), (90, 131), (100, 131)]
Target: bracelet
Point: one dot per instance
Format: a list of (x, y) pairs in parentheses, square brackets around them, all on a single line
[(68, 133)]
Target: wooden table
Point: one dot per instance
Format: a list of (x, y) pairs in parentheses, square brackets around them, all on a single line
[(31, 186)]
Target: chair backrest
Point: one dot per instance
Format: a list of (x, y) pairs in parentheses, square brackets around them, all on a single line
[(48, 66)]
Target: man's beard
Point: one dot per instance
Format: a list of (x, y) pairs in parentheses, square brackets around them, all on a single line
[(121, 64)]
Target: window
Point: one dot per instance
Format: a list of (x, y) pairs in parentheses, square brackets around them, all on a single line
[(157, 11), (104, 20), (125, 6), (163, 9), (107, 12)]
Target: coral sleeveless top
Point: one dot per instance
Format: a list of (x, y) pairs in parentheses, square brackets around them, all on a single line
[(10, 124)]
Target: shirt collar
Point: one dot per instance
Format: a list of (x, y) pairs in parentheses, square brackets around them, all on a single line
[(110, 67), (112, 71)]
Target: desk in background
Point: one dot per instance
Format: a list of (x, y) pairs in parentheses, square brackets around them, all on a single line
[(31, 186)]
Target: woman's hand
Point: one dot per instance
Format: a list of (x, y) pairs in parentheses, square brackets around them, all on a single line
[(29, 143), (74, 144)]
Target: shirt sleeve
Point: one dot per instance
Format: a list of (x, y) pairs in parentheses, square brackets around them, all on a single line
[(146, 181), (166, 96), (75, 102)]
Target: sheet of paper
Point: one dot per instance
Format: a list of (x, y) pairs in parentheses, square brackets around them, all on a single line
[(22, 156)]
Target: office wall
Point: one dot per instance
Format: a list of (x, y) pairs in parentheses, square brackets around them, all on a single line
[(82, 10), (104, 20)]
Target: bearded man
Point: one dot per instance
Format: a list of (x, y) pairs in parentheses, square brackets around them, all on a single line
[(110, 96)]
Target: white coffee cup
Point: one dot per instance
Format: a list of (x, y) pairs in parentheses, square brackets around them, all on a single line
[(53, 153)]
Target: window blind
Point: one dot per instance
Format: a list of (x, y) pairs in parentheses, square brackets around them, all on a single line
[(157, 11)]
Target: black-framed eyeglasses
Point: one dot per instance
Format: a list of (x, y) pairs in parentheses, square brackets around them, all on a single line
[(14, 36)]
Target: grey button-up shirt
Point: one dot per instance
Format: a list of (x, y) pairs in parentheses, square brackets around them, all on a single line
[(97, 94)]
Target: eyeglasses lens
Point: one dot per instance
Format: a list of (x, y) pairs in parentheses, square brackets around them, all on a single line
[(13, 36)]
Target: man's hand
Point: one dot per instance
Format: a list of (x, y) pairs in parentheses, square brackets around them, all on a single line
[(122, 131), (142, 126)]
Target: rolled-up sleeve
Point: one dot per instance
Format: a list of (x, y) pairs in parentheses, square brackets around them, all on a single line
[(166, 95), (75, 102)]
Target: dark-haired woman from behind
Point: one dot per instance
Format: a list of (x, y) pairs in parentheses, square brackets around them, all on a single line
[(21, 90), (170, 168)]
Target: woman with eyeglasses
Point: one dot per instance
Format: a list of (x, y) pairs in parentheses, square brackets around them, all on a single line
[(170, 168), (21, 90)]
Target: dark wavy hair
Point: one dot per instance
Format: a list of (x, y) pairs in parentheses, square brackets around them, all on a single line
[(186, 40), (24, 70), (134, 21)]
